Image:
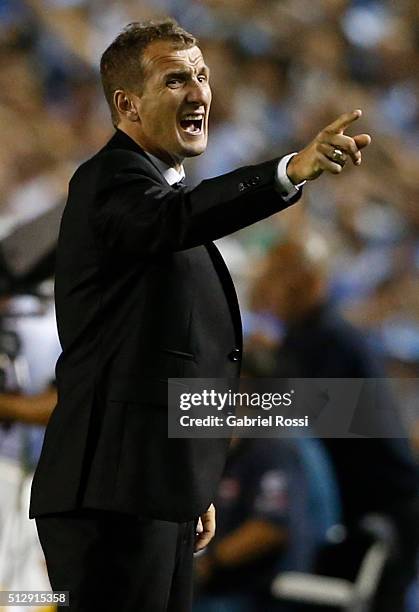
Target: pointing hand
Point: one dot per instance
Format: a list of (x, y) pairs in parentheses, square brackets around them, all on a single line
[(329, 150)]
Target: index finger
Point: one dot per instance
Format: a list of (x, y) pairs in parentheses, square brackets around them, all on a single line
[(342, 122)]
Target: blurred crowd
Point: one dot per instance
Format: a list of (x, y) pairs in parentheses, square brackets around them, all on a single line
[(280, 71)]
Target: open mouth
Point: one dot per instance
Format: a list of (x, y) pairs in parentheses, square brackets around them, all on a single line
[(192, 124)]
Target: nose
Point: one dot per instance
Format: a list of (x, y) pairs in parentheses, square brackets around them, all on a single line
[(198, 93)]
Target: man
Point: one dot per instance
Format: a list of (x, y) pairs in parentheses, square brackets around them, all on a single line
[(143, 295), (375, 475), (269, 510)]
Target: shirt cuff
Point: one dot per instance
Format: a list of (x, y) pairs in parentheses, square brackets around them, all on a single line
[(286, 187)]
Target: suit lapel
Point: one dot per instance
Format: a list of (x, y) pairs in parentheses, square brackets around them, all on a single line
[(229, 289)]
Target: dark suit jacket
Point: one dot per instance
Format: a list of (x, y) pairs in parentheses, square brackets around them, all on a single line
[(142, 295)]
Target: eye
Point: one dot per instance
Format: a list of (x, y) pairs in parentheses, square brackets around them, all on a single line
[(174, 82), (202, 78)]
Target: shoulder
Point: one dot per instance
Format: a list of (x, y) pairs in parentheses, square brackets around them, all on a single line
[(109, 162), (338, 329), (352, 345)]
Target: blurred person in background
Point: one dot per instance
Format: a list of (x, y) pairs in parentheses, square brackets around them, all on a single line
[(263, 485), (131, 255), (28, 350), (376, 475), (276, 501), (31, 409)]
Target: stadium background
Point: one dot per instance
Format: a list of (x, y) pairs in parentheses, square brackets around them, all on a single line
[(281, 69)]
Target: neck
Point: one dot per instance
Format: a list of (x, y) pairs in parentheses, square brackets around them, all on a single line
[(164, 156)]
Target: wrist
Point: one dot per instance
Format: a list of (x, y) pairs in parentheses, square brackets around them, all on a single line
[(292, 171)]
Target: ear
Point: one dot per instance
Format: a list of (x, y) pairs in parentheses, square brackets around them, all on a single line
[(124, 105)]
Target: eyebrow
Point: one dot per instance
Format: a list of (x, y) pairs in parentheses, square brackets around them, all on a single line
[(185, 73), (176, 73)]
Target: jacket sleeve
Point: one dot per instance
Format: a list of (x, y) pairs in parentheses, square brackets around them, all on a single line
[(133, 212)]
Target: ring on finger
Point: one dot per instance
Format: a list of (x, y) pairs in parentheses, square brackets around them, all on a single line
[(339, 156)]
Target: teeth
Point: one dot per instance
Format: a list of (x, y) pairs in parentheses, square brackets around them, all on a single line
[(197, 121)]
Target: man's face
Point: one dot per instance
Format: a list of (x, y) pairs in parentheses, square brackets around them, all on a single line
[(174, 105)]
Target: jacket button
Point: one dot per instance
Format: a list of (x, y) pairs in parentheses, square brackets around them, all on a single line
[(235, 355)]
